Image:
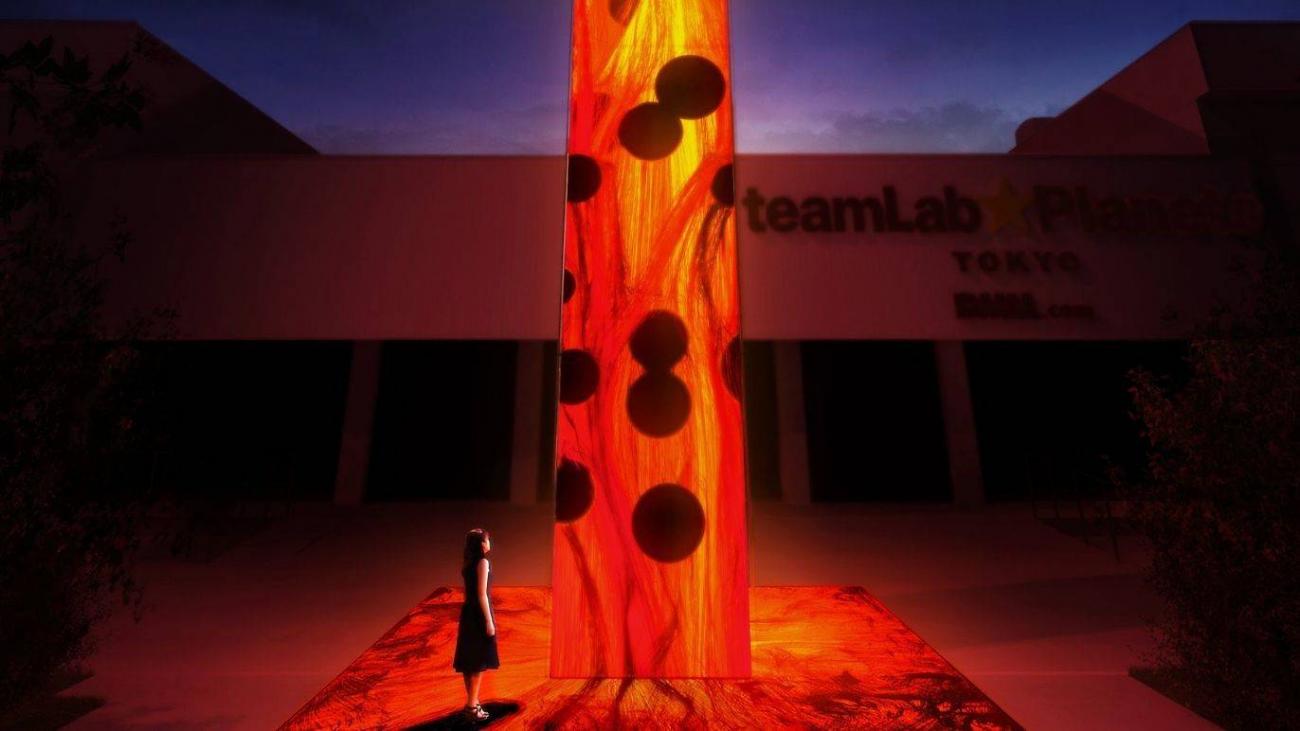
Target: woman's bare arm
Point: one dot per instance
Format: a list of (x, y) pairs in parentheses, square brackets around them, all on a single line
[(483, 597)]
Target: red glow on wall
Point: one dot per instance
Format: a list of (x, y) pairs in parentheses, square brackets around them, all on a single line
[(650, 549)]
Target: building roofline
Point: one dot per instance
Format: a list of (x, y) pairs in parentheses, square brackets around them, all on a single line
[(325, 158), (1191, 27), (218, 156), (137, 26), (310, 149), (1188, 25), (1241, 22), (70, 21)]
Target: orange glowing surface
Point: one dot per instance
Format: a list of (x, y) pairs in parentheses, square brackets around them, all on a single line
[(650, 583), (823, 657)]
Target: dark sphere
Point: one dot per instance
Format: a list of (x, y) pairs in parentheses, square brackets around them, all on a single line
[(732, 367), (658, 404), (570, 284), (668, 522), (573, 491), (578, 376), (690, 86), (724, 186), (649, 131), (584, 178), (659, 341)]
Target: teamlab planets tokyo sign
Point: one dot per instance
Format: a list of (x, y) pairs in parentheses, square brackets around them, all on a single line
[(988, 246), (1045, 208)]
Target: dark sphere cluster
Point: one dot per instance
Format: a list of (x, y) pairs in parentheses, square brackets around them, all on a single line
[(658, 403), (687, 87)]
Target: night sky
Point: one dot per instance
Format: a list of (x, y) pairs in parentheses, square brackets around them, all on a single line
[(489, 76)]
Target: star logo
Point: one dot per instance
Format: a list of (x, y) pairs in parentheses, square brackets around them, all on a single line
[(1006, 208)]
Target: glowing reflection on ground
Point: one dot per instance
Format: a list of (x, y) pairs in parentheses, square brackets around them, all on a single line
[(823, 657)]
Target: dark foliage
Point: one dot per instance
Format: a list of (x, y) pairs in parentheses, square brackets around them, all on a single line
[(1220, 504), (71, 393)]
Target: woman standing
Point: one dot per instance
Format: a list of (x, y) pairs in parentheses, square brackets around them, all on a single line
[(476, 637)]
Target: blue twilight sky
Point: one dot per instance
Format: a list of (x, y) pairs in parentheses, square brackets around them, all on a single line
[(489, 76)]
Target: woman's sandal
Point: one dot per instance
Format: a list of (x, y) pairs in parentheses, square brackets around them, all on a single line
[(477, 712)]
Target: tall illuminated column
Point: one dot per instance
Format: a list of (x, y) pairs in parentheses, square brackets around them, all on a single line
[(650, 572)]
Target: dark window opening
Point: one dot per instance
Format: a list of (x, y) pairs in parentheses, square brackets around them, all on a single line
[(248, 419), (1050, 415), (443, 421), (875, 424)]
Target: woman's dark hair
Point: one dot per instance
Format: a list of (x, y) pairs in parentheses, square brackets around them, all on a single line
[(474, 547)]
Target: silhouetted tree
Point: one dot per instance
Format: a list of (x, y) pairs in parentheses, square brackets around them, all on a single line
[(70, 390), (1220, 504)]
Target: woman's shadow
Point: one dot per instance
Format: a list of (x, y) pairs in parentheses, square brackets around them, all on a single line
[(496, 710)]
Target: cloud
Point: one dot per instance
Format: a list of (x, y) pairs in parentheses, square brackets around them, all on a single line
[(958, 126), (952, 127), (533, 130)]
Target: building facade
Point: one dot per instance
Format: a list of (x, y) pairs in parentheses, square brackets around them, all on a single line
[(947, 328)]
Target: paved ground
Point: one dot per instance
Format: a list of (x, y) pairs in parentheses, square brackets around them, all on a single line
[(1046, 625)]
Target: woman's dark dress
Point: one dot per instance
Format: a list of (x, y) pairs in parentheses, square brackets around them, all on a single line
[(475, 650)]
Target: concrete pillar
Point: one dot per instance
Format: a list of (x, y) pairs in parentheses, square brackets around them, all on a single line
[(792, 427), (358, 422), (959, 423), (524, 463)]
